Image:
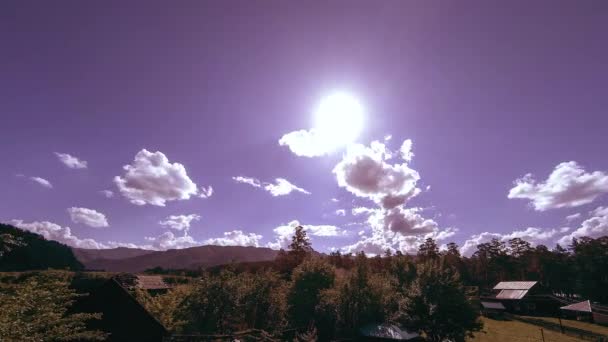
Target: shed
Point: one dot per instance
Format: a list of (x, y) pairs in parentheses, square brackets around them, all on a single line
[(492, 309), (386, 332), (524, 297), (153, 283)]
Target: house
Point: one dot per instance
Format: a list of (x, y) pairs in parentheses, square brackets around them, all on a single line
[(586, 311), (525, 297), (122, 315)]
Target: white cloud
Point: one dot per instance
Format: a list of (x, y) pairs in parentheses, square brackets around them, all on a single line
[(52, 231), (573, 217), (599, 211), (281, 187), (152, 179), (593, 227), (179, 222), (71, 161), (168, 240), (235, 238), (89, 217), (107, 193), (205, 192), (311, 143), (361, 211), (532, 235), (45, 183), (365, 172), (284, 233), (340, 212), (569, 185), (335, 200)]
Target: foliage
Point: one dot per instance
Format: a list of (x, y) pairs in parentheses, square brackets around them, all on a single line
[(21, 250), (437, 305), (37, 309), (309, 279), (166, 307)]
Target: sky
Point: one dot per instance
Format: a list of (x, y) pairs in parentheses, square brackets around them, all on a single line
[(375, 125)]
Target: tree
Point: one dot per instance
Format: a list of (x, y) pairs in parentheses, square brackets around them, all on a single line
[(309, 279), (166, 307), (436, 304), (428, 250), (37, 309)]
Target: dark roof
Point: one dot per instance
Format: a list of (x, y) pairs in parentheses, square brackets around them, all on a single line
[(493, 305), (581, 307), (515, 285)]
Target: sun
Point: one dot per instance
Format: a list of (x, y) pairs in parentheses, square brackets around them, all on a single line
[(339, 119)]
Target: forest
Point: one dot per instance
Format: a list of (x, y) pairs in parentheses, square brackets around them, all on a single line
[(311, 296)]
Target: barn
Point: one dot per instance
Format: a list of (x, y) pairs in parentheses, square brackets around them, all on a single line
[(526, 298)]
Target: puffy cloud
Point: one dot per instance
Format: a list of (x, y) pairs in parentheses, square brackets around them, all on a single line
[(281, 187), (531, 234), (89, 217), (52, 231), (311, 143), (340, 212), (573, 217), (205, 192), (599, 211), (45, 183), (593, 227), (569, 185), (71, 161), (179, 222), (284, 233), (366, 172), (235, 238), (168, 240), (361, 211), (152, 179), (107, 193)]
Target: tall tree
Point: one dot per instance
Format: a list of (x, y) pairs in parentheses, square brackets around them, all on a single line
[(428, 250), (309, 279)]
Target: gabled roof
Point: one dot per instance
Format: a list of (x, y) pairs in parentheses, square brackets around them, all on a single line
[(493, 305), (151, 282), (581, 307), (512, 294), (515, 285)]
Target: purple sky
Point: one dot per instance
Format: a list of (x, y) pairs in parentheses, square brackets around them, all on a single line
[(487, 91)]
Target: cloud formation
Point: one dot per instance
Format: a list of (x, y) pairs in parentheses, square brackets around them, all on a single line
[(52, 231), (533, 235), (152, 179), (179, 222), (89, 217), (235, 238), (45, 183), (107, 193), (593, 227), (71, 161), (308, 143), (340, 212), (281, 187), (168, 240), (569, 185), (283, 233)]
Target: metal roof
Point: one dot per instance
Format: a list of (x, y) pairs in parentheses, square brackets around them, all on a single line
[(581, 306), (511, 294), (387, 331), (493, 305), (153, 282), (515, 285)]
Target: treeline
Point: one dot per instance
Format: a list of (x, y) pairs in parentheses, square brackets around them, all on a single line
[(307, 295)]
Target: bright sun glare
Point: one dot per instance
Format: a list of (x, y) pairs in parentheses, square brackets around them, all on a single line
[(339, 119)]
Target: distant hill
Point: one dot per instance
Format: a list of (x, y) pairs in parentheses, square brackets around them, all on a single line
[(22, 250), (138, 260)]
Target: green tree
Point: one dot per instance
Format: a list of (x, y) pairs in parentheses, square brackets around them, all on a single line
[(428, 250), (309, 279), (166, 307), (437, 306), (37, 309)]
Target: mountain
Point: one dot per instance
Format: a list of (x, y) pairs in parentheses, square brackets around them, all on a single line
[(138, 260), (21, 250)]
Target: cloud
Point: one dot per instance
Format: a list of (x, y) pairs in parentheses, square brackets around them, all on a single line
[(107, 193), (335, 200), (168, 240), (45, 183), (152, 179), (340, 212), (89, 217), (283, 233), (532, 235), (573, 217), (593, 227), (569, 185), (179, 222), (281, 187), (366, 172), (311, 143), (205, 192), (599, 211), (71, 161), (235, 238), (52, 231)]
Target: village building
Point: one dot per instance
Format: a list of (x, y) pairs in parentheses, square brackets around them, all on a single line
[(586, 311), (525, 297)]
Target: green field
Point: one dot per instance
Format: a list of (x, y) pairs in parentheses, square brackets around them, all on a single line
[(505, 331)]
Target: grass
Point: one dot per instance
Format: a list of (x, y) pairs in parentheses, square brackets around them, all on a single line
[(595, 328), (515, 331)]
